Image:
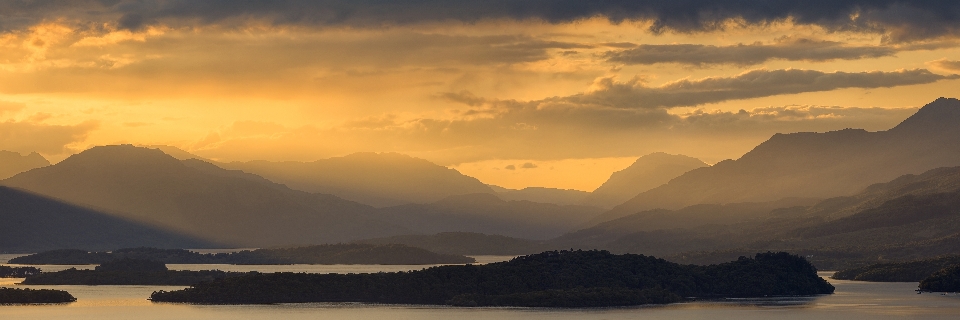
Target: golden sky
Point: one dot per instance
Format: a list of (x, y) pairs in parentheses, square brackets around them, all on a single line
[(562, 92)]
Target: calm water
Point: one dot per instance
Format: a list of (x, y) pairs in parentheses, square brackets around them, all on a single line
[(852, 300)]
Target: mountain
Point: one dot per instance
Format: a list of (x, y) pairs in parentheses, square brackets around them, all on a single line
[(465, 243), (34, 223), (910, 217), (486, 213), (12, 163), (683, 221), (648, 172), (543, 195), (199, 199), (175, 152), (377, 179), (815, 165)]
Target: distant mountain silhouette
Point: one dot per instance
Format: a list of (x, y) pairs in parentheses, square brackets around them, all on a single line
[(175, 152), (543, 195), (377, 179), (815, 165), (910, 217), (648, 172), (485, 213), (200, 199), (465, 243), (31, 223), (12, 163)]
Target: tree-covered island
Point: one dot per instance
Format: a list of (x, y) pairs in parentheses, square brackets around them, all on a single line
[(945, 280), (319, 254), (23, 296), (17, 272), (128, 272), (548, 279)]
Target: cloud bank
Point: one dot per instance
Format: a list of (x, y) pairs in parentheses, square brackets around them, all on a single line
[(900, 20)]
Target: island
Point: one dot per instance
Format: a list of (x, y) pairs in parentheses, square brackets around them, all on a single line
[(945, 280), (128, 272), (22, 296), (549, 279), (910, 271), (17, 272), (393, 254)]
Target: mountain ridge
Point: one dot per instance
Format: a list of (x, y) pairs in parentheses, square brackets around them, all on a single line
[(814, 165)]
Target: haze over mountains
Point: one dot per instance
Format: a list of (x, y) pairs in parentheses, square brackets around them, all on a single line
[(815, 165), (811, 193), (377, 179), (149, 186), (648, 172), (12, 163), (486, 213), (32, 223)]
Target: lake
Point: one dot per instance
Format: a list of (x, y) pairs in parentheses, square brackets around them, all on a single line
[(852, 300)]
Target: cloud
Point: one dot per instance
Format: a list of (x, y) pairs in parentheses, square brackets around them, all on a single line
[(10, 107), (612, 119), (24, 137), (900, 20), (510, 167), (751, 84), (952, 65), (529, 165), (747, 54)]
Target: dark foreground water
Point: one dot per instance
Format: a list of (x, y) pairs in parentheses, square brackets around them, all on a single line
[(852, 300)]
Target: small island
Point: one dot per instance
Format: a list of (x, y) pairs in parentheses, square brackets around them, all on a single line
[(18, 272), (320, 254), (945, 280), (549, 279), (910, 271), (128, 272), (23, 296)]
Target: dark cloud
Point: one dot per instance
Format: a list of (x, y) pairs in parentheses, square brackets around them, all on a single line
[(510, 167), (529, 165), (952, 65), (747, 54), (751, 84), (900, 20)]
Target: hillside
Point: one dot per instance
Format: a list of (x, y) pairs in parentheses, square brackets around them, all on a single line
[(815, 165), (201, 200), (12, 163), (465, 243), (34, 223), (485, 213), (911, 217), (543, 195), (376, 179), (648, 172)]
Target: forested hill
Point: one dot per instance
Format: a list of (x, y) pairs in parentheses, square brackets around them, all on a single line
[(549, 279), (910, 271)]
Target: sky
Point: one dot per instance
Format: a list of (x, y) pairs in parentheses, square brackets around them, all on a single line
[(515, 93)]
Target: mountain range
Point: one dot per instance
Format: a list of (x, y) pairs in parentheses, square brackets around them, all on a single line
[(199, 199), (814, 165), (486, 213)]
